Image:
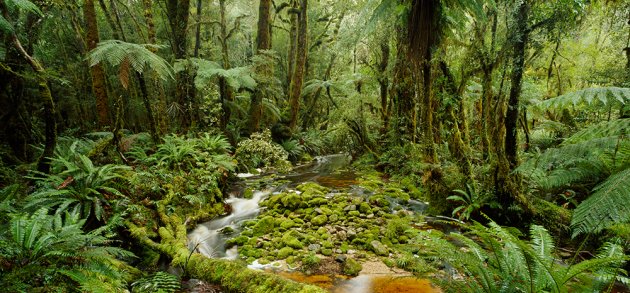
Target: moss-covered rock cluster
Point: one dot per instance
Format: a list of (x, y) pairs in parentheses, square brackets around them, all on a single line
[(297, 226)]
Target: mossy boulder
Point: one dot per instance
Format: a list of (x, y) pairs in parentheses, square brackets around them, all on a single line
[(379, 201), (354, 213), (264, 226), (378, 248), (319, 220), (286, 224), (351, 267), (248, 193), (364, 208), (227, 230), (284, 252), (291, 239), (239, 240), (327, 251), (312, 188)]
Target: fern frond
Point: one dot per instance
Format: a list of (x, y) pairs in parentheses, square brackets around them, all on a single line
[(140, 58), (614, 128), (5, 25), (592, 97), (609, 204), (25, 5)]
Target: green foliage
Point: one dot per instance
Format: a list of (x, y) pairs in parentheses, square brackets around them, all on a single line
[(159, 282), (607, 205), (470, 202), (260, 151), (77, 184), (126, 55), (237, 78), (613, 128), (591, 97), (52, 253), (498, 261), (293, 149)]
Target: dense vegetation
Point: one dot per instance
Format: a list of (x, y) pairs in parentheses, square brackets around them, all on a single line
[(123, 123)]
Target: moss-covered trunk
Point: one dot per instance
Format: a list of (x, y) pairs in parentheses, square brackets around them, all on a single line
[(263, 42), (300, 64), (226, 93), (98, 74), (178, 14)]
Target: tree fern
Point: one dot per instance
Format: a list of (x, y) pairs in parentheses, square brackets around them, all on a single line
[(592, 97), (237, 78), (609, 204), (129, 55), (613, 128)]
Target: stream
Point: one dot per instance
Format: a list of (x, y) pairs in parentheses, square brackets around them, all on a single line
[(329, 171)]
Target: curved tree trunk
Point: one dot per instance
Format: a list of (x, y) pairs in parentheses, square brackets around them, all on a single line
[(300, 64), (98, 74)]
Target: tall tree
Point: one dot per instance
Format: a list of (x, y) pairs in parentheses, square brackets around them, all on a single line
[(227, 95), (178, 12), (99, 86), (45, 96), (300, 64), (263, 42)]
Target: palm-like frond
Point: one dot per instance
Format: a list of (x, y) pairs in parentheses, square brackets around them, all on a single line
[(609, 204), (126, 55), (25, 5), (5, 25), (613, 128), (237, 78), (592, 97)]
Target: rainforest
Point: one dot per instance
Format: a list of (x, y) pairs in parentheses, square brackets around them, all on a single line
[(346, 146)]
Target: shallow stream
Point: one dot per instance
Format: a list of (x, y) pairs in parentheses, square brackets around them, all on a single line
[(329, 171)]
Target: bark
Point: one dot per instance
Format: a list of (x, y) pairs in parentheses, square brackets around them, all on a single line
[(45, 96), (226, 93), (178, 14), (98, 74), (402, 93), (160, 116), (300, 63), (309, 119), (486, 102), (263, 42), (198, 28), (293, 18), (383, 83), (110, 19), (521, 32)]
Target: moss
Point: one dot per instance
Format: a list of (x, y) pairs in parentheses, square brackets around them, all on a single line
[(319, 220), (379, 201), (327, 251), (553, 217), (290, 239), (248, 193), (351, 267), (364, 208), (354, 213), (378, 248), (287, 224), (327, 244), (312, 188), (284, 252), (239, 240), (264, 226)]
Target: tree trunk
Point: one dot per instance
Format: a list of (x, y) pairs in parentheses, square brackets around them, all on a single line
[(178, 13), (263, 42), (98, 74), (226, 93), (45, 96), (160, 116), (300, 63), (521, 33), (198, 29), (293, 18), (383, 82), (402, 92), (110, 19)]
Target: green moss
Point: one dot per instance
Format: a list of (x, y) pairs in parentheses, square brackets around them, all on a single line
[(378, 248), (364, 208), (354, 213), (290, 239), (327, 244), (319, 220), (379, 201), (239, 240), (312, 188), (351, 267), (284, 252), (327, 251), (287, 224), (264, 226), (248, 193)]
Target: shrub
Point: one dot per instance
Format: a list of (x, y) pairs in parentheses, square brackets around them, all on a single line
[(260, 151)]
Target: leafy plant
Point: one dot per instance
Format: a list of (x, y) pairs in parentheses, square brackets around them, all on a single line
[(470, 202), (592, 97), (78, 185), (52, 253), (260, 151), (498, 261), (293, 149), (159, 282)]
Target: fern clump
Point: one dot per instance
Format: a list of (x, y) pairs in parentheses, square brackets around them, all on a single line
[(53, 253), (260, 151), (493, 259), (158, 282)]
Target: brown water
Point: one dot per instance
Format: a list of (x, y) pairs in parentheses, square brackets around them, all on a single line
[(365, 283)]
